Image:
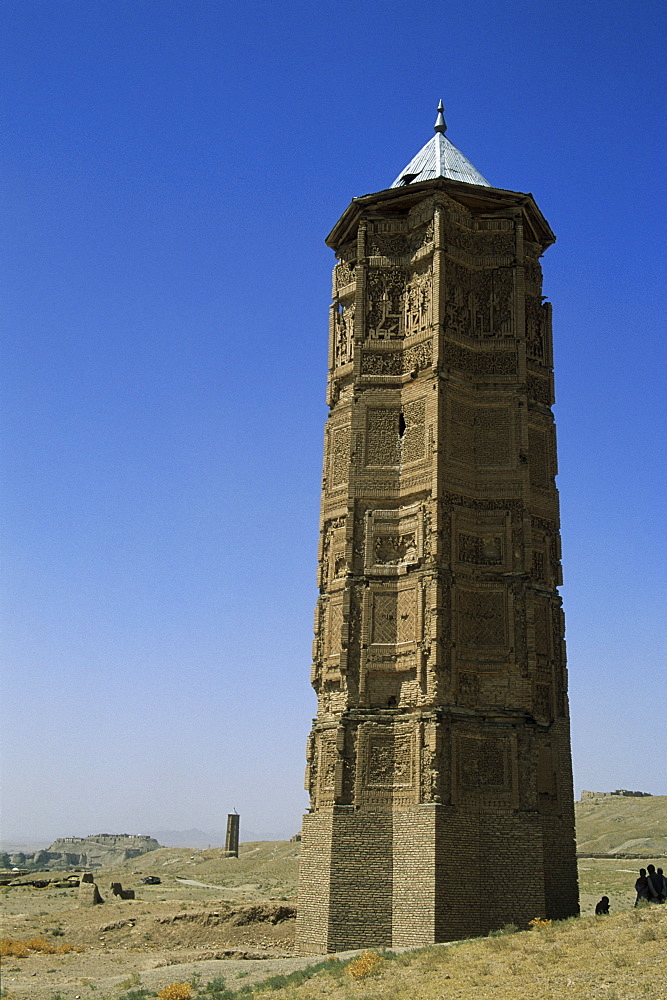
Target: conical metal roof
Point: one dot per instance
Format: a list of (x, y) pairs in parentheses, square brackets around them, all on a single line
[(439, 158)]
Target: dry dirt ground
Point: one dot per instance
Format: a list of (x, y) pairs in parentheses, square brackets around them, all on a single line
[(211, 916)]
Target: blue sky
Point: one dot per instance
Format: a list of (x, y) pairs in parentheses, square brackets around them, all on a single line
[(171, 171)]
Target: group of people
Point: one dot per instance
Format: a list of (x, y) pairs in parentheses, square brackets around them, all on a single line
[(651, 885)]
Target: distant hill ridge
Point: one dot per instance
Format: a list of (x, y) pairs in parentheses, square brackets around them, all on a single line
[(619, 823), (607, 823), (97, 851), (619, 791), (106, 841)]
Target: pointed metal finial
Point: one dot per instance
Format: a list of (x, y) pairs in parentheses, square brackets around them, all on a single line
[(440, 123)]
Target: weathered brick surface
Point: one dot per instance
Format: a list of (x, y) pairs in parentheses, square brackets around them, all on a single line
[(314, 876), (439, 762)]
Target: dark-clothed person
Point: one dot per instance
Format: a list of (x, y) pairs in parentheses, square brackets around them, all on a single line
[(642, 887), (656, 887), (664, 882)]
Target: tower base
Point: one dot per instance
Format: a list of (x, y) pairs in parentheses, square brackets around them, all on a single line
[(374, 878)]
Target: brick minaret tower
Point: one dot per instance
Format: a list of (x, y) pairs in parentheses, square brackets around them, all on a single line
[(439, 764)]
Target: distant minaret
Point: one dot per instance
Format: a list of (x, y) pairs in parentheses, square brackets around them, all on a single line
[(232, 838), (439, 764)]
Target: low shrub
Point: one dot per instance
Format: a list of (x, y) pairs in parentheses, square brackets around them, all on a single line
[(176, 991), (15, 949), (539, 923), (20, 949), (215, 989), (367, 964)]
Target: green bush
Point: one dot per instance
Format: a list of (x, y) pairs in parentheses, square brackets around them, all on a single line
[(216, 990)]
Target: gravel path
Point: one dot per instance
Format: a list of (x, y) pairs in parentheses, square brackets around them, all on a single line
[(209, 885)]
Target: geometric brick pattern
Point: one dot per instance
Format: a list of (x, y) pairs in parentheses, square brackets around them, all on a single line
[(481, 616)]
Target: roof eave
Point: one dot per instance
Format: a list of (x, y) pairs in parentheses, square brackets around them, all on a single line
[(476, 195)]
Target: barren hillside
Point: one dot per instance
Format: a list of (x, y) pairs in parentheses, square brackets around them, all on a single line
[(265, 869), (622, 826)]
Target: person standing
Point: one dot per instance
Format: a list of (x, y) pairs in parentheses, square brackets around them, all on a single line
[(656, 885), (664, 882), (642, 887)]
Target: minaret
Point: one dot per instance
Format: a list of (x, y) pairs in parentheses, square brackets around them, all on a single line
[(439, 765)]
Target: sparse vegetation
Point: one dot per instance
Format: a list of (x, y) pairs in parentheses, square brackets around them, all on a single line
[(624, 826), (133, 980), (176, 991), (17, 948), (504, 930), (576, 958), (177, 922), (367, 963), (215, 989)]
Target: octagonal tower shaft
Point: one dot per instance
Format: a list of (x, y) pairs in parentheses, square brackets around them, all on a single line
[(439, 764)]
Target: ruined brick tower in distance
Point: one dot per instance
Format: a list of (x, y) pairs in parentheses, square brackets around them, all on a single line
[(439, 765)]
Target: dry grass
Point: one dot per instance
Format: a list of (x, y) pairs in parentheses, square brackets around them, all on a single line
[(17, 948), (176, 922), (626, 825), (618, 957), (263, 869)]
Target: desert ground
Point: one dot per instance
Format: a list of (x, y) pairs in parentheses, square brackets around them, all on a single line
[(213, 917)]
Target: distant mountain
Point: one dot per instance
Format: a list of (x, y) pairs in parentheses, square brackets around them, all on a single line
[(197, 838), (27, 846)]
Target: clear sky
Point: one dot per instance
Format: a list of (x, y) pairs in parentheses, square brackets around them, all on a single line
[(171, 169)]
